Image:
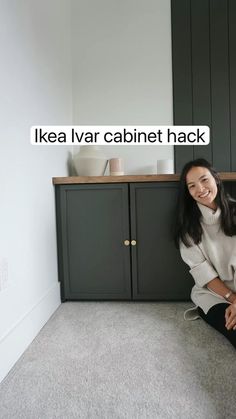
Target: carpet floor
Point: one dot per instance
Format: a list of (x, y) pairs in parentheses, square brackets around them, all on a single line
[(132, 360)]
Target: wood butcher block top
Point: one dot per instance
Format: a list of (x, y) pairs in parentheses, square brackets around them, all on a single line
[(73, 180)]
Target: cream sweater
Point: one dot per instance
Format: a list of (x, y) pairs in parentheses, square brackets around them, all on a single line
[(214, 256)]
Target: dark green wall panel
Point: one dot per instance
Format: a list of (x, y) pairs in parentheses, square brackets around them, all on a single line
[(206, 62), (232, 81), (201, 71), (181, 51), (220, 130)]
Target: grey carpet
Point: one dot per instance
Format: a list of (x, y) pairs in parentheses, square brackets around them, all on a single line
[(122, 360)]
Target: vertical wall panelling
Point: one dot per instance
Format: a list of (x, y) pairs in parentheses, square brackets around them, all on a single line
[(201, 70), (220, 130), (182, 74), (208, 65), (232, 80)]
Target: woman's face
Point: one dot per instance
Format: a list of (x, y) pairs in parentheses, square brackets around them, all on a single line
[(202, 186)]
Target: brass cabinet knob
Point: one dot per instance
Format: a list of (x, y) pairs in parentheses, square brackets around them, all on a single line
[(126, 242), (133, 242)]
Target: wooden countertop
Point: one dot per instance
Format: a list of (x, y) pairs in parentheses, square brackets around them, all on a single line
[(73, 180)]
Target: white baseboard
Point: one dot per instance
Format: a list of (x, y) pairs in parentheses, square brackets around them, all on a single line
[(19, 337)]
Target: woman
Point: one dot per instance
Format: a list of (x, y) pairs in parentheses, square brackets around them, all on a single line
[(206, 236)]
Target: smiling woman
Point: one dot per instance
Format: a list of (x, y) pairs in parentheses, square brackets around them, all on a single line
[(205, 233), (202, 186)]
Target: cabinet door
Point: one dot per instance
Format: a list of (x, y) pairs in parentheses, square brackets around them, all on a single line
[(158, 271), (93, 223)]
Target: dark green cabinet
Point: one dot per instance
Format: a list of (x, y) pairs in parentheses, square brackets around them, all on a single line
[(158, 271), (93, 222), (114, 242)]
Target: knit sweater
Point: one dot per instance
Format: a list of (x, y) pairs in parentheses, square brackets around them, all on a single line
[(214, 256)]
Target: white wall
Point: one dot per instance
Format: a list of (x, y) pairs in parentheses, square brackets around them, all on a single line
[(122, 71), (35, 89), (120, 74)]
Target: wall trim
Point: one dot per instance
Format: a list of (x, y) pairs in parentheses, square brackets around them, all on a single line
[(16, 340)]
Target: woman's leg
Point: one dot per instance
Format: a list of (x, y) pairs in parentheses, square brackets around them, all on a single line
[(215, 317)]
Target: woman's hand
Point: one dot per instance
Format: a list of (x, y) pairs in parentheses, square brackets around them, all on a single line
[(230, 317)]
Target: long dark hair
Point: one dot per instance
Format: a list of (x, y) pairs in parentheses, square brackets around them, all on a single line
[(188, 215)]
